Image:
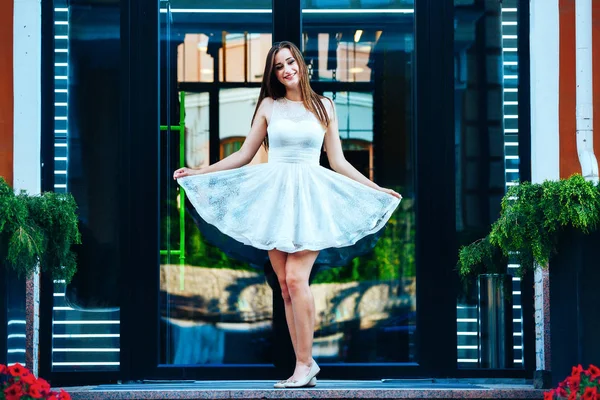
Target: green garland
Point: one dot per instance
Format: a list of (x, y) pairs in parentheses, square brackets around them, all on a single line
[(531, 220), (38, 230)]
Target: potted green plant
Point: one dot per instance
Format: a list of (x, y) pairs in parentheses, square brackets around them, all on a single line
[(37, 231), (553, 225)]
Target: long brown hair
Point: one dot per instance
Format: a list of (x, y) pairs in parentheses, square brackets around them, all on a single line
[(271, 87)]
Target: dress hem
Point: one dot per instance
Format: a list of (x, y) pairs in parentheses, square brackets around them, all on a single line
[(380, 223)]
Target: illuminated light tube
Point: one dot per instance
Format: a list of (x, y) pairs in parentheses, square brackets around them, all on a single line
[(268, 11), (87, 322), (85, 335), (84, 364), (78, 350), (16, 336)]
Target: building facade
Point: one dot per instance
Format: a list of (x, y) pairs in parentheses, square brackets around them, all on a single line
[(450, 102)]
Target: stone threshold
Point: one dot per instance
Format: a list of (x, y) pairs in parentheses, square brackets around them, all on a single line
[(326, 389)]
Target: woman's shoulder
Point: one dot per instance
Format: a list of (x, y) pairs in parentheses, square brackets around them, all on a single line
[(265, 106), (328, 103), (267, 101)]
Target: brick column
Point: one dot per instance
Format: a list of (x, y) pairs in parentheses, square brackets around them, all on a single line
[(6, 92)]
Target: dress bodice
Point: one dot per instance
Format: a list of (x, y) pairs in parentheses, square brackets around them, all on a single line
[(295, 134)]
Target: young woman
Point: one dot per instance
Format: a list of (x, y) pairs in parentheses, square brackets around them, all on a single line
[(291, 207)]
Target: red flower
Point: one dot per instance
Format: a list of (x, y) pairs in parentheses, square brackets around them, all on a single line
[(592, 370), (27, 377), (576, 371), (45, 387), (14, 392), (35, 391), (3, 369), (549, 395), (16, 370), (573, 382), (572, 396), (52, 397), (64, 395), (591, 393)]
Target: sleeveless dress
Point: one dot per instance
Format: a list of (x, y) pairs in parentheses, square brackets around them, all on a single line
[(290, 203)]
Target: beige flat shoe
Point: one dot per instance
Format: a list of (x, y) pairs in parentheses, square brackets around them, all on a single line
[(281, 384), (307, 380)]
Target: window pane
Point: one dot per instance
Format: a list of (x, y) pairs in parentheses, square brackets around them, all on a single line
[(214, 309), (366, 310), (241, 56), (486, 142), (15, 317), (86, 334), (342, 38)]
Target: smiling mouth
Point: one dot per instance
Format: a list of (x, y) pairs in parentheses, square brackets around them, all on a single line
[(287, 78)]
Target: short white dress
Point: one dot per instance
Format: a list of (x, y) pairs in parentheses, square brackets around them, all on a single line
[(291, 203)]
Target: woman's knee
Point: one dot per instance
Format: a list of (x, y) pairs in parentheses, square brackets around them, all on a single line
[(285, 293), (295, 282)]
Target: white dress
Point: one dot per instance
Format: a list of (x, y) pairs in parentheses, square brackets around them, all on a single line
[(290, 203)]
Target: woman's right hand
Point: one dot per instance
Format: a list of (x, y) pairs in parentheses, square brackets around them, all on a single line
[(181, 172)]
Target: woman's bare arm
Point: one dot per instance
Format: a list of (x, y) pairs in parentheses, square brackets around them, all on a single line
[(248, 150), (338, 162)]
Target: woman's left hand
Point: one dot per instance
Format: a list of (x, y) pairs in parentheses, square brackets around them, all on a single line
[(390, 192)]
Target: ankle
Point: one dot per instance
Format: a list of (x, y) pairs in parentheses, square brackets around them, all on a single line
[(304, 363)]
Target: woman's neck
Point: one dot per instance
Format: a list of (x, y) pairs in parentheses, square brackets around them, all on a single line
[(293, 95)]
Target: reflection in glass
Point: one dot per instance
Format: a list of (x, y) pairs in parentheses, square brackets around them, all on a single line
[(15, 317), (486, 144), (87, 87), (340, 56), (241, 56), (216, 310)]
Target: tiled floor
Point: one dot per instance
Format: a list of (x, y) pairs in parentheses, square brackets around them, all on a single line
[(326, 389)]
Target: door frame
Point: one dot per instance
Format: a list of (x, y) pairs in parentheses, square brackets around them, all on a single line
[(437, 281)]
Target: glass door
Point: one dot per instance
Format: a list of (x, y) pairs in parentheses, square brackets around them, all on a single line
[(361, 55), (205, 315), (216, 310)]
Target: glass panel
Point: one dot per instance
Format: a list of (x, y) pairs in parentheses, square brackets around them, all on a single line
[(366, 311), (214, 309), (241, 57), (15, 315), (486, 140), (214, 306), (86, 318), (340, 36)]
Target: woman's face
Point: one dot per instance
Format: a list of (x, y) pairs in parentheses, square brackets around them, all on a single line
[(286, 68)]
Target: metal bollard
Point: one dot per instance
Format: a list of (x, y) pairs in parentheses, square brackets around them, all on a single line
[(495, 321)]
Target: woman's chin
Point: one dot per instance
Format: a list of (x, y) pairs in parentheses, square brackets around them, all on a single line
[(294, 84)]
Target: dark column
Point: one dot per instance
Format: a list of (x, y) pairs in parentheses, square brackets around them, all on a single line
[(287, 21), (138, 214), (287, 25), (436, 275)]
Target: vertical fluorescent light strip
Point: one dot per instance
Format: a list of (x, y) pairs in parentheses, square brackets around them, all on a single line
[(510, 71), (61, 95), (98, 356), (509, 25)]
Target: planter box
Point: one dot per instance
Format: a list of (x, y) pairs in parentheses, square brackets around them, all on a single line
[(574, 303)]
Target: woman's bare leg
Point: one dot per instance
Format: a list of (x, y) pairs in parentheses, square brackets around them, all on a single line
[(278, 261), (297, 273)]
